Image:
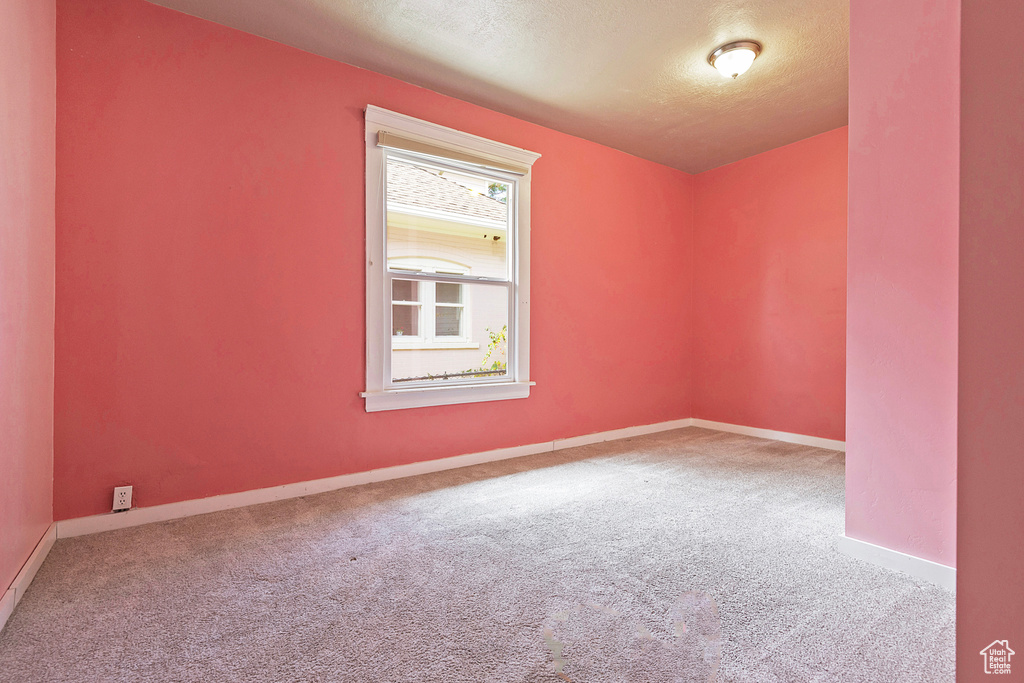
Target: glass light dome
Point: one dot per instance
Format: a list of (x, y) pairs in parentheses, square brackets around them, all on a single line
[(733, 59)]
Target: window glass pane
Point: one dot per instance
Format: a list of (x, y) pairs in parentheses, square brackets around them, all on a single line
[(449, 293), (405, 290), (405, 320), (448, 321), (469, 341), (447, 216)]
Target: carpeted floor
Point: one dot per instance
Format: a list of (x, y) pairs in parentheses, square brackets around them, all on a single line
[(683, 556)]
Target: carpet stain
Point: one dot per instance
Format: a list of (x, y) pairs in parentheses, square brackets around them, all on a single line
[(594, 641)]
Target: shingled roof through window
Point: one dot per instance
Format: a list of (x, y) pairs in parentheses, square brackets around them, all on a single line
[(422, 188)]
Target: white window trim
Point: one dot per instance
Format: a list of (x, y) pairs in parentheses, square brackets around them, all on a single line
[(378, 302)]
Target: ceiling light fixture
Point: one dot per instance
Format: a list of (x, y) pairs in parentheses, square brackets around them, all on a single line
[(732, 59)]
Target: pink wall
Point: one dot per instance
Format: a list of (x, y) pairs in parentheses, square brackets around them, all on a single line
[(27, 91), (902, 302), (990, 550), (770, 289), (210, 269)]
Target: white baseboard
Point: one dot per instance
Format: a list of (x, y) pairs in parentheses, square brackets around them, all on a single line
[(788, 437), (187, 508), (929, 571), (34, 562), (6, 607), (625, 433), (161, 513), (13, 595)]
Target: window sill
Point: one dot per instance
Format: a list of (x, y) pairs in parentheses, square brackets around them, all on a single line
[(400, 399)]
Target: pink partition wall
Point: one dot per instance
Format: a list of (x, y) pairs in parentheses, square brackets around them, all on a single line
[(770, 289), (27, 93), (990, 549), (210, 305), (902, 299)]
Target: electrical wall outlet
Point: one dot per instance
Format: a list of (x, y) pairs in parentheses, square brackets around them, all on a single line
[(122, 498)]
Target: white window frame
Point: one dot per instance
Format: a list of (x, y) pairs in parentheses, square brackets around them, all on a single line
[(379, 395)]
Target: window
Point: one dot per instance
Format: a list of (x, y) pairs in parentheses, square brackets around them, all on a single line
[(448, 310), (428, 314), (447, 279), (406, 309)]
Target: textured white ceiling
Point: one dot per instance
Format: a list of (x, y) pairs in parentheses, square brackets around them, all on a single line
[(628, 74)]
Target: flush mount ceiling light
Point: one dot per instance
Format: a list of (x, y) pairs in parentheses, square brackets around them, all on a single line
[(732, 59)]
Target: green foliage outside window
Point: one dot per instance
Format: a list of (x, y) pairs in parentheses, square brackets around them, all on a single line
[(497, 344), (498, 191)]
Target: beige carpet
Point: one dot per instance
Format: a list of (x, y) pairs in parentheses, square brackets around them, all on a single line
[(684, 556)]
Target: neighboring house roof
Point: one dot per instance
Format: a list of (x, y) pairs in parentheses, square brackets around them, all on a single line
[(417, 187)]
